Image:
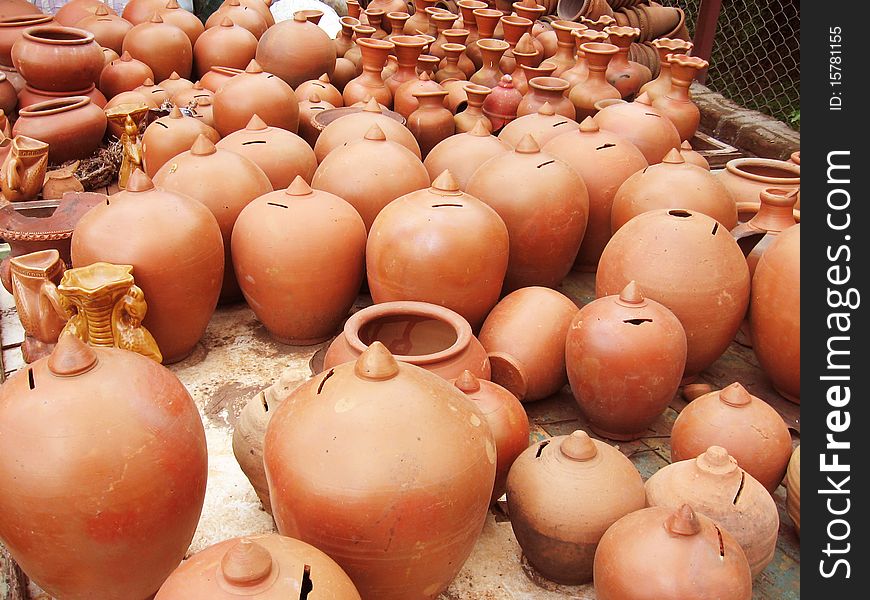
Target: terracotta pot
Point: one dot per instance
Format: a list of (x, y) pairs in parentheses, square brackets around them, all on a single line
[(714, 486), (131, 97), (677, 104), (34, 280), (516, 27), (86, 524), (746, 426), (72, 127), (181, 299), (323, 88), (525, 72), (262, 7), (408, 49), (174, 84), (431, 123), (563, 58), (30, 96), (595, 87), (661, 85), (774, 314), (389, 6), (405, 102), (453, 269), (746, 178), (491, 52), (546, 90), (543, 192), (155, 92), (344, 40), (500, 107), (163, 47), (124, 74), (108, 28), (140, 11), (690, 156), (171, 135), (544, 125), (678, 539), (705, 282), (580, 70), (57, 59), (343, 73), (355, 123), (74, 11), (563, 494), (775, 214), (643, 126), (8, 95), (394, 22), (353, 54), (13, 26), (419, 20), (433, 492), (449, 69), (370, 84), (187, 97), (793, 483), (625, 75), (296, 51), (374, 17), (469, 22), (472, 115), (459, 37), (185, 20), (13, 77), (255, 92), (243, 16), (354, 9), (308, 109), (442, 22), (227, 45), (217, 76), (463, 154)]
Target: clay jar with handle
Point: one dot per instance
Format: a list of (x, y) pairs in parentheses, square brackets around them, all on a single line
[(370, 84), (625, 357), (491, 52), (124, 74), (428, 470), (774, 314), (625, 75), (705, 281), (506, 418), (181, 294), (109, 29), (418, 333), (605, 161), (661, 85), (677, 104), (265, 567), (227, 45), (595, 87), (716, 487), (296, 50), (255, 92), (431, 122), (642, 125), (163, 47), (369, 185), (563, 494), (298, 284), (225, 183), (525, 336), (464, 153), (673, 183), (57, 59), (670, 554), (34, 278), (547, 90), (169, 136), (131, 467), (72, 127), (545, 206), (793, 485), (746, 426), (775, 214), (543, 125), (439, 245), (355, 124), (746, 178)]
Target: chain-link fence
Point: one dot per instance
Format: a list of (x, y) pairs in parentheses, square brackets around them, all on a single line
[(756, 54)]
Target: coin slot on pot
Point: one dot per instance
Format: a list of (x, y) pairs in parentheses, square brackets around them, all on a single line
[(541, 448), (30, 381), (740, 487), (254, 142), (637, 321), (544, 164), (307, 584), (715, 229), (683, 214), (721, 542), (442, 205), (278, 205), (323, 381), (605, 146)]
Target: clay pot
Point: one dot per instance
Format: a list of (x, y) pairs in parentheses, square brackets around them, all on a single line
[(163, 47), (405, 101), (296, 51), (643, 126), (72, 127), (344, 40), (595, 87), (774, 314), (227, 45), (131, 97), (690, 156), (124, 74), (431, 123), (746, 178), (217, 76), (353, 54), (108, 28), (299, 294), (500, 107), (714, 486), (449, 69), (356, 123), (746, 426), (431, 478), (308, 110), (323, 88), (463, 154), (189, 96), (625, 357), (545, 90), (705, 281), (580, 70), (262, 7), (543, 192), (407, 49), (34, 278), (74, 11), (454, 269), (677, 104), (30, 96), (442, 22), (419, 20), (516, 27), (182, 298), (171, 135), (661, 85), (543, 125), (370, 84), (13, 26), (242, 16), (525, 72), (793, 484), (563, 58), (255, 92), (625, 75), (250, 565), (134, 419), (468, 119), (491, 52), (155, 92), (683, 542), (8, 95), (140, 11), (775, 214), (563, 494), (389, 6), (56, 59), (185, 20), (174, 84), (673, 183)]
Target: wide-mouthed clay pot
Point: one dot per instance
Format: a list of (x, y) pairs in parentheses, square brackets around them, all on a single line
[(57, 59), (72, 127), (746, 178)]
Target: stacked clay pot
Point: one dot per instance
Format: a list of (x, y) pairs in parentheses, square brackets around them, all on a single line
[(462, 154), (227, 45), (746, 426), (545, 206), (715, 486), (73, 127), (544, 125), (255, 92), (563, 494), (355, 125), (181, 294), (704, 281), (384, 438), (119, 476), (296, 279), (169, 136), (439, 245), (296, 50), (124, 74), (163, 47), (793, 491), (642, 125)]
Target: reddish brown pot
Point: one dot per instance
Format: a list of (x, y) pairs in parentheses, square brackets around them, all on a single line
[(500, 107), (30, 96), (255, 92), (746, 178), (694, 558), (163, 47), (74, 11), (153, 91), (525, 72), (563, 494), (344, 40), (661, 85), (108, 28), (124, 74), (515, 28), (642, 125), (431, 478), (419, 20), (86, 525), (299, 284), (243, 16), (467, 120), (463, 154), (453, 268), (344, 72), (139, 11), (296, 51), (543, 125), (370, 84), (546, 90), (469, 22), (431, 123), (705, 282), (356, 123), (369, 185), (217, 76), (746, 426), (595, 87), (189, 96), (73, 127), (227, 45), (185, 20), (625, 75), (580, 69), (174, 84), (716, 487), (182, 298), (169, 136), (775, 310), (491, 52), (268, 566), (545, 206), (323, 88), (57, 59), (677, 104), (13, 26), (131, 97), (405, 102), (625, 357), (563, 58), (449, 66)]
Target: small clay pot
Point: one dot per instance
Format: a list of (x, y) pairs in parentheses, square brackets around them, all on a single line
[(501, 105), (108, 28), (526, 72), (677, 103), (462, 154), (163, 47), (775, 214), (691, 156), (407, 49), (188, 96), (217, 76), (563, 58), (468, 118), (175, 83), (243, 16), (255, 92), (296, 50), (405, 102), (431, 122), (72, 127), (643, 126), (546, 90), (354, 123), (661, 85), (323, 88), (543, 125), (370, 83), (308, 110), (491, 52), (580, 70), (227, 45), (57, 59), (184, 19), (171, 135), (124, 74)]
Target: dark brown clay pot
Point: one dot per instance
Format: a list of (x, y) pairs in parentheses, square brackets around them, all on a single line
[(356, 122), (746, 426), (431, 123), (714, 486), (169, 136), (370, 84), (72, 127), (323, 88), (182, 297), (793, 491), (419, 333), (296, 51), (217, 76), (543, 125), (86, 525), (500, 107), (546, 90), (13, 26), (462, 154), (185, 20), (109, 29), (250, 566), (255, 92), (124, 74), (299, 284), (56, 59), (625, 357), (545, 206), (491, 52), (244, 16), (677, 104), (454, 269), (563, 494), (595, 87), (431, 477), (661, 85), (643, 126), (683, 542), (163, 47), (625, 75), (227, 45)]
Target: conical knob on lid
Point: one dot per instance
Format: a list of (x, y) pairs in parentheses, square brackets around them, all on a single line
[(579, 446), (155, 18), (299, 187), (546, 110), (735, 395), (202, 146), (102, 10), (683, 521), (467, 382), (375, 133), (139, 182), (376, 363), (588, 125), (256, 123), (71, 357), (176, 113), (254, 67), (247, 563), (372, 106), (630, 296), (446, 185), (226, 22), (673, 157), (479, 130), (716, 461), (527, 145)]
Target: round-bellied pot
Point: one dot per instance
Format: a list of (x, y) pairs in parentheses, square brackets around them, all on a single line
[(793, 491), (244, 16), (57, 59), (547, 90), (255, 92), (746, 178), (308, 109), (693, 157), (139, 11), (227, 45), (73, 127), (323, 88), (217, 76), (169, 136), (163, 47), (123, 75), (109, 29), (296, 50), (431, 123), (370, 84), (595, 87), (625, 75), (355, 122), (11, 29), (182, 18), (157, 94), (74, 11), (30, 95), (642, 125), (543, 125), (462, 154)]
